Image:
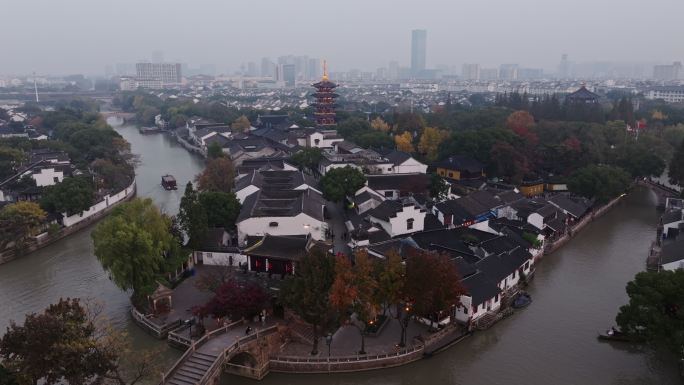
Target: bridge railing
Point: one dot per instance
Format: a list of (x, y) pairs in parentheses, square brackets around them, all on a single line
[(215, 368), (345, 359)]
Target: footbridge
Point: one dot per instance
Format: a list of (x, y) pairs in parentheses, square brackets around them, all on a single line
[(227, 348), (125, 116)]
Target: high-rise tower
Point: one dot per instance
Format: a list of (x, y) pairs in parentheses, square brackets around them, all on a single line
[(325, 100), (418, 51)]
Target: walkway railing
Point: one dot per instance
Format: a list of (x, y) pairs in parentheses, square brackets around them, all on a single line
[(217, 365)]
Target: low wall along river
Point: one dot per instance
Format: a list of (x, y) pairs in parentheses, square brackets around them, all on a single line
[(577, 291)]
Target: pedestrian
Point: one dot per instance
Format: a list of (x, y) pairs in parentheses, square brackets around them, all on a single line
[(263, 317), (248, 331)]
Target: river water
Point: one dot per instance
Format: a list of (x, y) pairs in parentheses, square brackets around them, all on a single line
[(577, 292)]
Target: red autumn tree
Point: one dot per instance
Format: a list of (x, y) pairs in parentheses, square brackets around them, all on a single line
[(236, 299), (433, 284), (522, 122)]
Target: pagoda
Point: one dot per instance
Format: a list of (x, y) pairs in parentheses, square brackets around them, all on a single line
[(325, 100)]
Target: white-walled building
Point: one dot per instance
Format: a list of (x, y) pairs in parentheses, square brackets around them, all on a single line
[(398, 218)]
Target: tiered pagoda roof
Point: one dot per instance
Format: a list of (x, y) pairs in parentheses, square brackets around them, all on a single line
[(325, 100)]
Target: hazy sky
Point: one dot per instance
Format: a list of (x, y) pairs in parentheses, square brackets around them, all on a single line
[(83, 36)]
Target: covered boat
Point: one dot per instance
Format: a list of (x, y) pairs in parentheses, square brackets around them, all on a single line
[(169, 182), (521, 300)]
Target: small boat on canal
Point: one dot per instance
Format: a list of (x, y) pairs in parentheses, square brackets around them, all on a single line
[(521, 300), (169, 182), (149, 130), (613, 334)]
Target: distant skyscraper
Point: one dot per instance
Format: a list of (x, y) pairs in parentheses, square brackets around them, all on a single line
[(313, 69), (564, 67), (289, 74), (508, 72), (489, 74), (393, 70), (157, 75), (252, 69), (418, 50), (667, 72), (470, 72), (530, 73), (268, 68)]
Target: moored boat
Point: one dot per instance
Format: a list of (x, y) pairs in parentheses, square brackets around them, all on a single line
[(521, 300), (613, 334), (169, 182)]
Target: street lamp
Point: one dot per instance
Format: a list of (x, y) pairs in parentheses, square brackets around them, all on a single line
[(328, 341), (404, 323)]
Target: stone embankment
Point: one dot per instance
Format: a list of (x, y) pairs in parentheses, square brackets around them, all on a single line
[(74, 223)]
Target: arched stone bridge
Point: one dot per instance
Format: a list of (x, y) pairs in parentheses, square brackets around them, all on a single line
[(125, 116), (225, 348)]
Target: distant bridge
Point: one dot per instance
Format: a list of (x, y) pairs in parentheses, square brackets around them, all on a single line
[(125, 116), (662, 192)]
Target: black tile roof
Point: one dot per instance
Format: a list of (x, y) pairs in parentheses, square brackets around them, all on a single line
[(480, 288), (284, 247), (461, 163)]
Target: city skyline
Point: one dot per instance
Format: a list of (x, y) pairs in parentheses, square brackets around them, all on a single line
[(94, 38)]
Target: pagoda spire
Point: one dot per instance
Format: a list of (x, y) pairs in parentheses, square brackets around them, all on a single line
[(325, 100)]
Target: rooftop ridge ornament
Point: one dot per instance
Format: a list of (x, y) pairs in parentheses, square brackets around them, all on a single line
[(325, 70)]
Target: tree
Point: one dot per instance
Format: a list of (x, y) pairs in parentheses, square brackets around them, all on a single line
[(215, 151), (520, 122), (404, 142), (380, 125), (338, 183), (131, 243), (655, 311), (192, 215), (430, 141), (218, 175), (355, 291), (676, 170), (10, 158), (241, 124), (18, 221), (72, 195), (439, 188), (112, 176), (236, 300), (307, 291), (508, 162), (433, 284), (307, 158), (7, 377), (222, 209), (69, 342), (52, 346), (599, 181), (392, 291)]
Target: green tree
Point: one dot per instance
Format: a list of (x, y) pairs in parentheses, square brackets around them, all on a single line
[(192, 216), (72, 195), (112, 176), (131, 244), (18, 221), (307, 158), (10, 158), (68, 342), (215, 151), (241, 124), (218, 175), (7, 377), (676, 170), (338, 183), (307, 291), (655, 311), (600, 182), (439, 188), (222, 209)]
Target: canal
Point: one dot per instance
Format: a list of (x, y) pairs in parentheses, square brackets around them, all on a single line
[(576, 292)]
